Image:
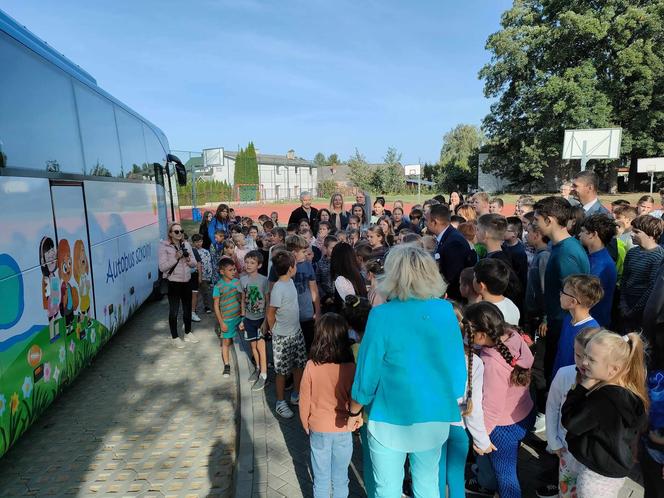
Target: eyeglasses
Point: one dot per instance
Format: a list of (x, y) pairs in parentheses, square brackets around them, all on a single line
[(176, 232), (563, 293)]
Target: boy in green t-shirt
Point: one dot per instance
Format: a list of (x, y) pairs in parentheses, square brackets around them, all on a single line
[(227, 296)]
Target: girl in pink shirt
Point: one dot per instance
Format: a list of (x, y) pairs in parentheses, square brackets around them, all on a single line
[(324, 404), (506, 401)]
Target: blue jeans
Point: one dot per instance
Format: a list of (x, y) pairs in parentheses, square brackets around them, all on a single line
[(330, 457), (388, 471), (453, 463)]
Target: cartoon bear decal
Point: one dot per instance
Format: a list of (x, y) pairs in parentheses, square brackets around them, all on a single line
[(68, 293)]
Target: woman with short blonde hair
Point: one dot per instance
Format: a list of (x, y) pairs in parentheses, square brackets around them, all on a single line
[(411, 368)]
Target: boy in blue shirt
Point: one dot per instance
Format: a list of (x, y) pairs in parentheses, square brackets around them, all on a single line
[(597, 231), (578, 295), (567, 258)]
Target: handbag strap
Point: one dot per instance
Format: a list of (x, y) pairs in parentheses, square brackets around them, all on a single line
[(168, 274)]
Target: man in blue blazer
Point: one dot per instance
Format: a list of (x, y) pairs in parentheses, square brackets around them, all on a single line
[(453, 252), (585, 185)]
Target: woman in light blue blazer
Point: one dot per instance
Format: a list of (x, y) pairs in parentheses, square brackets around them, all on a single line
[(410, 372)]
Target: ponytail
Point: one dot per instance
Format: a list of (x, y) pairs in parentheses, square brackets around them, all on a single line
[(634, 376), (488, 318), (628, 352)]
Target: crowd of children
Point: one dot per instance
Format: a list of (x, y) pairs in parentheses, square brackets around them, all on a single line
[(560, 277)]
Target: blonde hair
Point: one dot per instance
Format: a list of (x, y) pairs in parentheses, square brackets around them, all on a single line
[(410, 272), (170, 227), (628, 352)]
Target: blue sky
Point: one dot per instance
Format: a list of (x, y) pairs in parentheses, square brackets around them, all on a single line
[(303, 74)]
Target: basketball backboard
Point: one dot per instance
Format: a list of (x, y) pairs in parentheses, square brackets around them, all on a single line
[(599, 143), (412, 169), (650, 165)]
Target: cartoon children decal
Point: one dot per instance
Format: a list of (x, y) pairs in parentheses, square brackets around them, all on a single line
[(68, 294), (82, 277), (50, 283)]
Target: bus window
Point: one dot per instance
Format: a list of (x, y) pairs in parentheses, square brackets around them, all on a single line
[(132, 143), (39, 129), (100, 138), (155, 150)]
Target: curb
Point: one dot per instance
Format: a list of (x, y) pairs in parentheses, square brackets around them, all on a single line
[(243, 472)]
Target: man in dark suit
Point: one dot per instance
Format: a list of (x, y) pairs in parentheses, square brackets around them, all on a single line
[(305, 212), (453, 252)]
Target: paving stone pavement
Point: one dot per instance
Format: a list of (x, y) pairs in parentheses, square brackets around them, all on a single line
[(145, 419), (273, 453)]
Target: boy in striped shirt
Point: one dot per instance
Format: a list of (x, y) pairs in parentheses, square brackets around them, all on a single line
[(642, 263), (227, 295)]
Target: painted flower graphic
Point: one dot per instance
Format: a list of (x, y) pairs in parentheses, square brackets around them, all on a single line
[(56, 374), (13, 403), (27, 387), (47, 371), (72, 346), (62, 354), (3, 404)]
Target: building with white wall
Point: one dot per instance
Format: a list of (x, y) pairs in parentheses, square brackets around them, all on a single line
[(280, 177)]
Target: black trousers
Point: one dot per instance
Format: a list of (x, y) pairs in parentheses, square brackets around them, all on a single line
[(179, 292), (653, 483), (308, 327), (551, 348)]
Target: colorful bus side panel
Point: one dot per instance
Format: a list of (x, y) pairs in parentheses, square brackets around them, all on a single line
[(76, 260)]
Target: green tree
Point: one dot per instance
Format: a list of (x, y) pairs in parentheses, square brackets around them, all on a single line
[(251, 165), (333, 159), (390, 176), (319, 160), (573, 64), (359, 171), (457, 167)]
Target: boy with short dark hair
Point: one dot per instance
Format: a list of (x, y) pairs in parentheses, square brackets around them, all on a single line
[(466, 287), (416, 220), (597, 231), (227, 296), (491, 229), (491, 278), (567, 258), (642, 263), (534, 300), (515, 249), (578, 295), (255, 295), (283, 318)]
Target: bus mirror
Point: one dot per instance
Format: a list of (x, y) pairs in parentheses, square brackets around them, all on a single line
[(181, 173)]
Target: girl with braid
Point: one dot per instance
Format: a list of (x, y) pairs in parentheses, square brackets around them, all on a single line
[(507, 405), (455, 450)]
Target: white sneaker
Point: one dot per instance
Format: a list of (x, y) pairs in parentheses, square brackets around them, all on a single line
[(283, 410), (190, 337), (195, 317), (178, 343)]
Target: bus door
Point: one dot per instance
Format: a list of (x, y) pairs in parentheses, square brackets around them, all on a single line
[(161, 199), (73, 243)]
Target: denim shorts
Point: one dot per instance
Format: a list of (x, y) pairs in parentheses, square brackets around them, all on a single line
[(252, 329)]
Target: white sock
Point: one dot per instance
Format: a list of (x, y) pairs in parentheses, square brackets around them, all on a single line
[(264, 376)]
